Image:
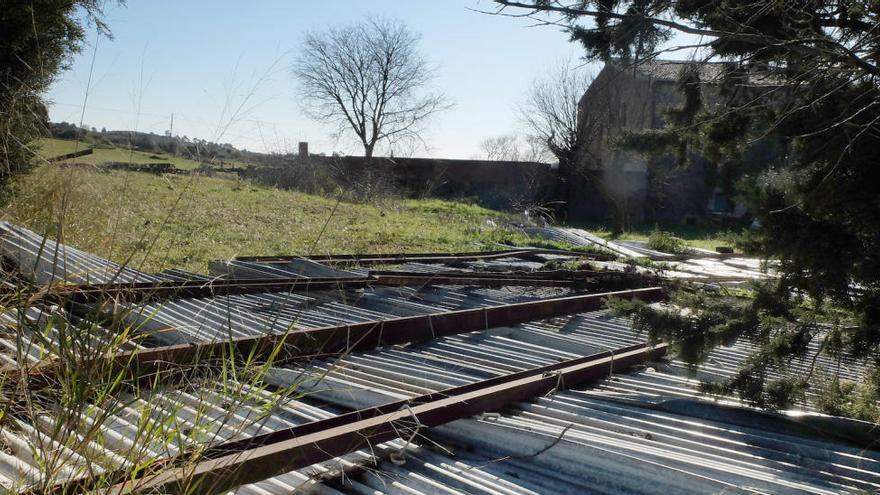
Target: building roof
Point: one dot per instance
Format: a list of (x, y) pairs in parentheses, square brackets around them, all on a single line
[(670, 70), (647, 430)]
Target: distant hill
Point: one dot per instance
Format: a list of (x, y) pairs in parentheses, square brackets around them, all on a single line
[(199, 150)]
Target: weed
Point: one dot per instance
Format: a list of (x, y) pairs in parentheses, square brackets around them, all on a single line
[(661, 266), (699, 236), (76, 416), (573, 265), (665, 242)]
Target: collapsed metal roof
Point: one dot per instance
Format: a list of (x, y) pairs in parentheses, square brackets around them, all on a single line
[(646, 429)]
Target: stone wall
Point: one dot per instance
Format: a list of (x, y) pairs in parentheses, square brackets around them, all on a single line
[(495, 184)]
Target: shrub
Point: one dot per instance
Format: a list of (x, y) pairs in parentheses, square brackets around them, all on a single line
[(36, 41), (665, 242)]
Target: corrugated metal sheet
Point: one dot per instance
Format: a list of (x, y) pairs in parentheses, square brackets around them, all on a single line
[(648, 431), (701, 264), (47, 261)]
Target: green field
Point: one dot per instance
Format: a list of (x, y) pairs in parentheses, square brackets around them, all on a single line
[(161, 221), (158, 222), (50, 147)]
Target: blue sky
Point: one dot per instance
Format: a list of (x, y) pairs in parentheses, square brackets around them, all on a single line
[(222, 68)]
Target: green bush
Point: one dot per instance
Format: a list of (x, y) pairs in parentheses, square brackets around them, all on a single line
[(665, 242), (37, 40)]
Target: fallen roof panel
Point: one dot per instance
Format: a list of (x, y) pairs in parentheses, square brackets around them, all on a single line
[(649, 431)]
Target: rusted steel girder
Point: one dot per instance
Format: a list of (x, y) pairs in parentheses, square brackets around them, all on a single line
[(540, 274), (341, 339), (228, 465), (499, 280), (397, 258), (559, 275), (164, 364), (156, 291), (592, 280), (150, 291)]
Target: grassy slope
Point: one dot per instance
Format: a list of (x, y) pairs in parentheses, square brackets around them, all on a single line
[(50, 147), (183, 222)]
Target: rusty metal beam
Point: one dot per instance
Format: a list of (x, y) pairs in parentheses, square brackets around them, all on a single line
[(165, 364), (133, 292), (397, 258), (561, 275), (585, 280), (499, 280), (228, 465), (366, 257), (143, 365), (340, 339), (538, 274), (155, 291)]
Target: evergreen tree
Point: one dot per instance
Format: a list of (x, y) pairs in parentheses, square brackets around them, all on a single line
[(805, 75), (37, 39)]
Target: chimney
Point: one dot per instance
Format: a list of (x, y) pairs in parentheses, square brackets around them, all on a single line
[(303, 149)]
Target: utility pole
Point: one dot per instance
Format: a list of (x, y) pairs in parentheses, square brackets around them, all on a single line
[(171, 129)]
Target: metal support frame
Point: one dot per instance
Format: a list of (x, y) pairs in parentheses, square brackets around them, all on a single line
[(397, 258), (230, 464), (499, 280), (574, 276), (341, 339), (528, 275), (150, 291), (153, 291)]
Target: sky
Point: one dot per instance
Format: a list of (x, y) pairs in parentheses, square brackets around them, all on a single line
[(223, 69)]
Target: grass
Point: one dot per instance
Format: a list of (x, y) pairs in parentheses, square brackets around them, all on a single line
[(185, 221), (702, 236), (698, 236), (50, 147)]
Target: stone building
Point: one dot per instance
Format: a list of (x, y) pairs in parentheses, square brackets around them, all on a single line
[(625, 97)]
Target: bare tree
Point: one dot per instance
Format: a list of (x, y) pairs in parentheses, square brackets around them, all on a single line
[(550, 112), (513, 148), (501, 148), (534, 150), (368, 79)]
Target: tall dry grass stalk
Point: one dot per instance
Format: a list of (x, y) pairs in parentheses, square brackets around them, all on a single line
[(70, 414)]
